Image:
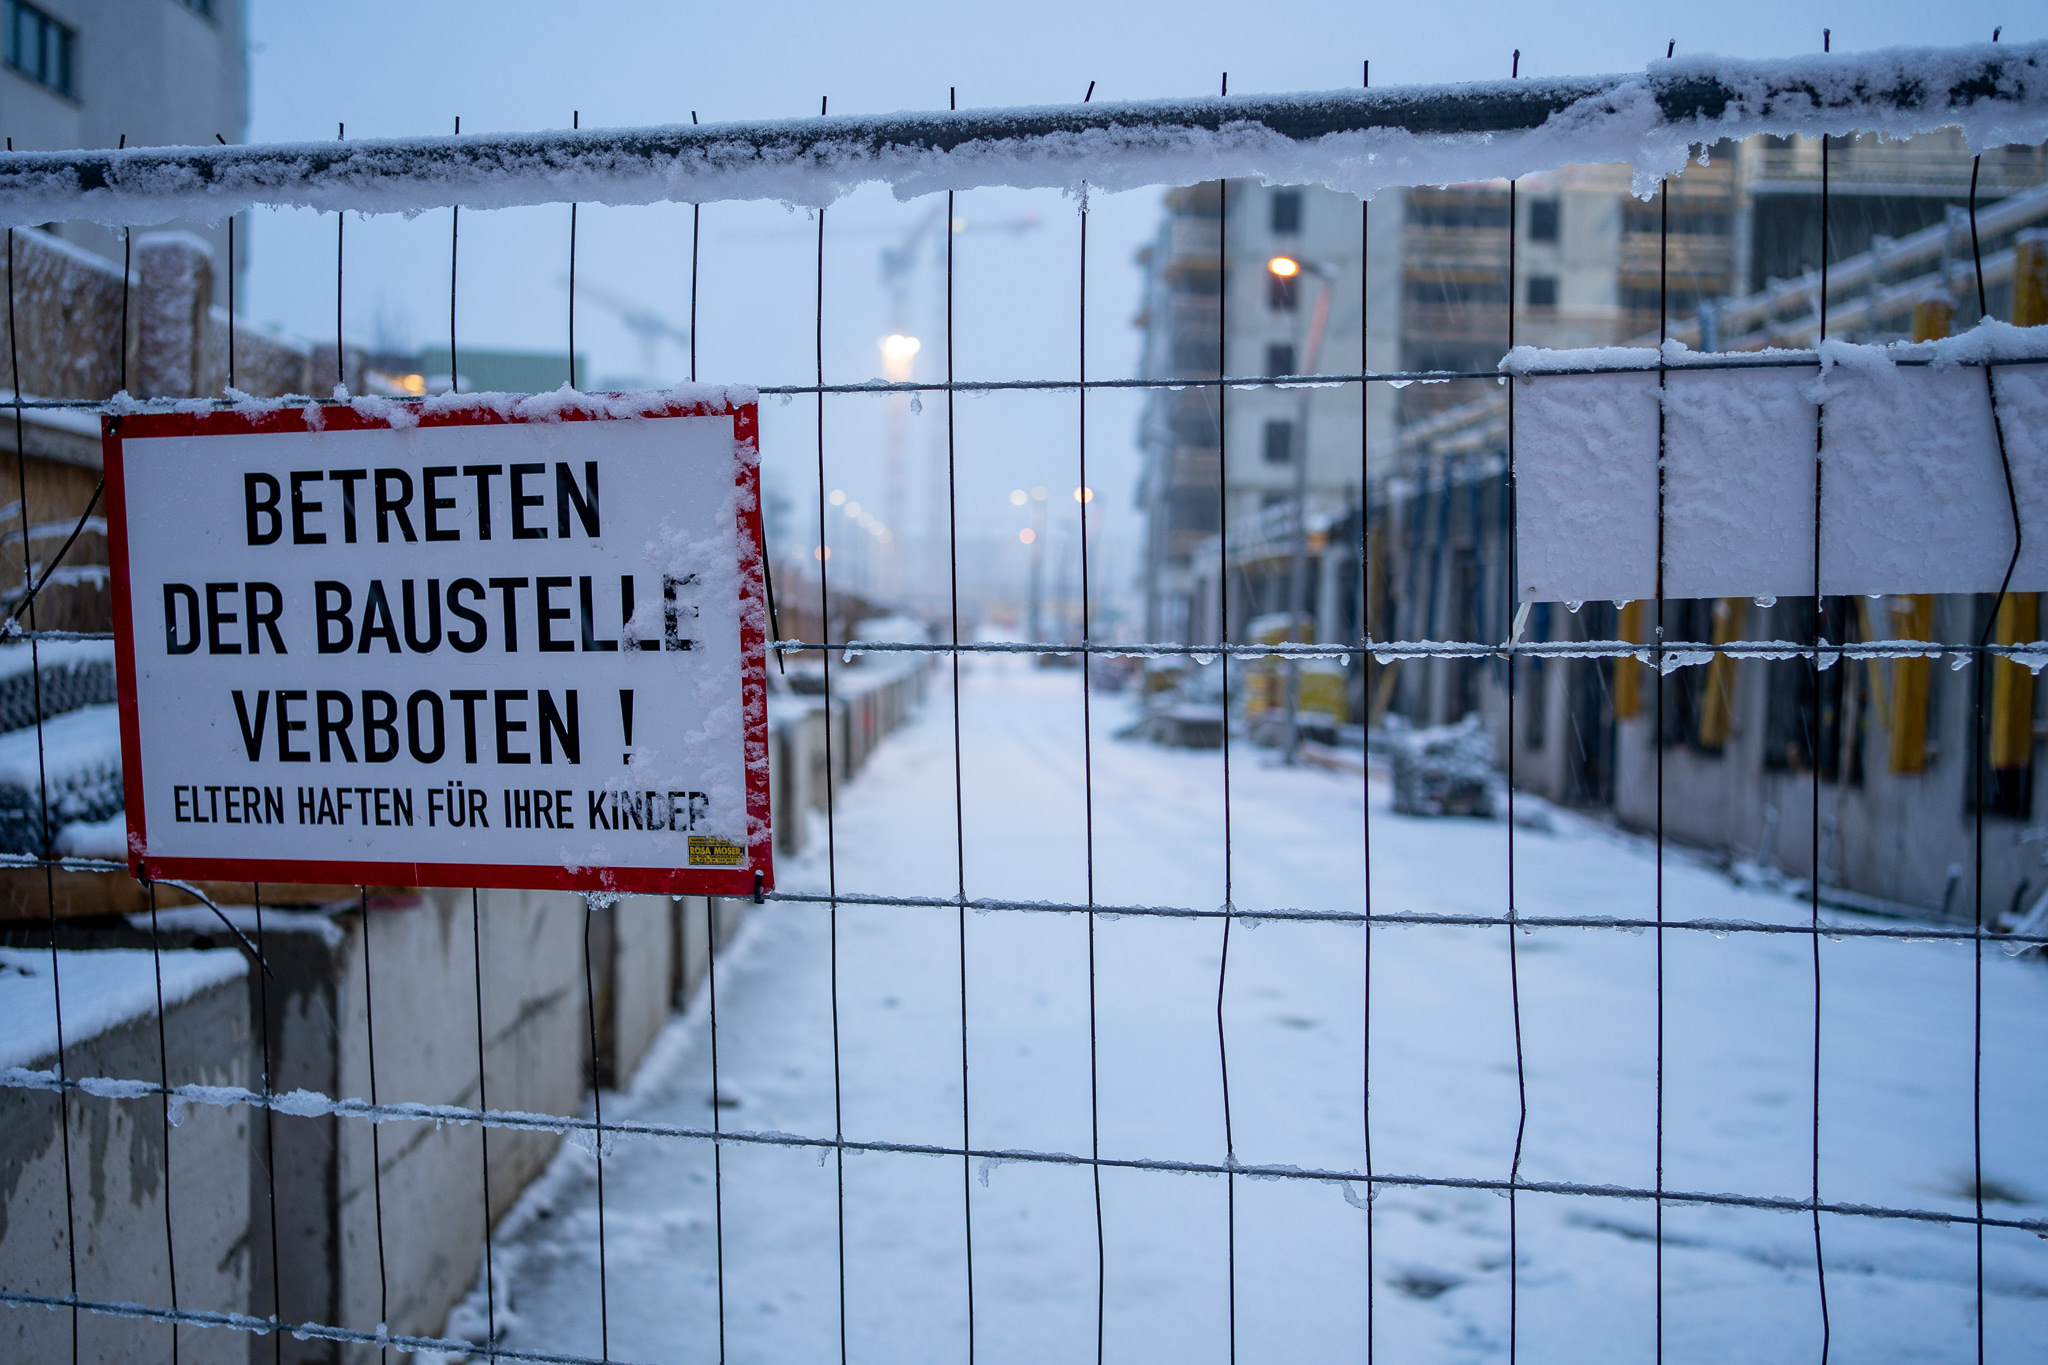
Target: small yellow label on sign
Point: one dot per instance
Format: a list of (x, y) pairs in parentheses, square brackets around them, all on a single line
[(714, 852)]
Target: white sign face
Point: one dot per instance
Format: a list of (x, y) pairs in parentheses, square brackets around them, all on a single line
[(443, 646)]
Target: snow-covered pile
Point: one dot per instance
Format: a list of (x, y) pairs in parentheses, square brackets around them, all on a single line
[(79, 755), (74, 673), (80, 751), (106, 838), (1445, 770), (1355, 141), (1913, 497)]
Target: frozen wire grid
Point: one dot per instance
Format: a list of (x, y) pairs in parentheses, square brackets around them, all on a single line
[(1354, 141)]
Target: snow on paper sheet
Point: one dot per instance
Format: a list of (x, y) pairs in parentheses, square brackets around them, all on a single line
[(1913, 494), (2023, 419), (1912, 497), (1738, 483), (1586, 487)]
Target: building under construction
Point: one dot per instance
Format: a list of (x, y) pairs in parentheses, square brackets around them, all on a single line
[(1727, 258)]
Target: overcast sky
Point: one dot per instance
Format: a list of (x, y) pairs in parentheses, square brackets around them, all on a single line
[(387, 68)]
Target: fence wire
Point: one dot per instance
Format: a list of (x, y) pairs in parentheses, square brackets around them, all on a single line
[(599, 1134)]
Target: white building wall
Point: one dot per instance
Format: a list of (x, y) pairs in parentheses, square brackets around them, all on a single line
[(1331, 229), (159, 72)]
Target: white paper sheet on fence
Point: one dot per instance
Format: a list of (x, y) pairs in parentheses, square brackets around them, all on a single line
[(1738, 484), (1913, 498), (1586, 487)]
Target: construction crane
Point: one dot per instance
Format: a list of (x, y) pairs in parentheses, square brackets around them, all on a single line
[(648, 327), (899, 262)]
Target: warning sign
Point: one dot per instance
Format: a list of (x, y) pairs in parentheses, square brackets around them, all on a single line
[(512, 644)]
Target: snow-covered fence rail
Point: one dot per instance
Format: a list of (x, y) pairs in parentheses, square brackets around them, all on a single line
[(1352, 141), (1357, 141)]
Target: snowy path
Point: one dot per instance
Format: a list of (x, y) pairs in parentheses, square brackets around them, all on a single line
[(1739, 1283)]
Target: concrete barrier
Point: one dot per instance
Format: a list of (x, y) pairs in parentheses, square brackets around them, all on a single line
[(869, 701), (371, 998), (143, 1199)]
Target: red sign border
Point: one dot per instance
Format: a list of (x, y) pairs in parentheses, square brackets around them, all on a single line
[(759, 872)]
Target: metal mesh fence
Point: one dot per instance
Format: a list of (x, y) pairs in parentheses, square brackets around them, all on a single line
[(1376, 648)]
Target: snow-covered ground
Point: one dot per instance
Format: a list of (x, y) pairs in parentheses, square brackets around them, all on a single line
[(1739, 1283)]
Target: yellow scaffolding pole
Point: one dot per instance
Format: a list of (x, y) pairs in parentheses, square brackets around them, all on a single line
[(1628, 676), (1717, 713)]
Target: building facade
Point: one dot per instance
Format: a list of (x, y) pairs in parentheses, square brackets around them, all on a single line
[(157, 73), (1214, 307), (1870, 773)]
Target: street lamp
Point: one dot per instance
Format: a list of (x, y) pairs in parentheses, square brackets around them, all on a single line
[(899, 366), (899, 356), (1289, 268), (1036, 540)]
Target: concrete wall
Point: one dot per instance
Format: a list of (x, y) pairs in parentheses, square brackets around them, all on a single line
[(633, 947), (334, 1180), (417, 978), (409, 963), (122, 1171), (869, 701), (704, 924), (1904, 838), (69, 306)]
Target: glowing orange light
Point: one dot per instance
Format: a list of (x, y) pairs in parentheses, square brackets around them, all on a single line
[(1027, 535), (1286, 267), (822, 552), (1084, 495)]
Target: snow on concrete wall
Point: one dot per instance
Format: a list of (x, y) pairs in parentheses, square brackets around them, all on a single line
[(67, 309), (175, 273), (123, 1165)]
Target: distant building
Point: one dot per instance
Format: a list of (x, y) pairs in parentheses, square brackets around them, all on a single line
[(1878, 191), (1726, 259), (1263, 327), (86, 73), (1586, 269), (484, 369)]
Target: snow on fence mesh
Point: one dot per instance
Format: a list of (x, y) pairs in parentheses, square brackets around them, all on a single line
[(1641, 476)]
